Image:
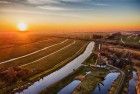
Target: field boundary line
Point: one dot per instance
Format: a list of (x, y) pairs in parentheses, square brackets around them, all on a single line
[(49, 54), (32, 52), (69, 59), (12, 45)]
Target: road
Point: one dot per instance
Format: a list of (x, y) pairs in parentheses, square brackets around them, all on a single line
[(122, 41), (121, 81)]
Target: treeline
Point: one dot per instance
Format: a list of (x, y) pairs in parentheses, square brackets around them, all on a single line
[(133, 46), (13, 74), (78, 36), (118, 59), (115, 40), (134, 55)]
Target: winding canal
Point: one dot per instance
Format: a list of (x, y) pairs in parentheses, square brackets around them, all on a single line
[(56, 76), (109, 79), (132, 83)]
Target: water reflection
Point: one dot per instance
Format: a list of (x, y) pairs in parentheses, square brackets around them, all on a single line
[(59, 74), (103, 87), (70, 87), (132, 84)]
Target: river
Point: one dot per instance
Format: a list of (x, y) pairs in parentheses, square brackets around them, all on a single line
[(56, 76), (132, 83), (109, 79)]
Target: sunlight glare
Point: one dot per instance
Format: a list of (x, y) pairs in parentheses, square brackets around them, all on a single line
[(22, 26)]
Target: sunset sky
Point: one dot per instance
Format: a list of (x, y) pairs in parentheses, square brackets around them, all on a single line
[(70, 15)]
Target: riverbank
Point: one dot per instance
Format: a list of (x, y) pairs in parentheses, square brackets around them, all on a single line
[(91, 81), (138, 83), (20, 85), (61, 73), (55, 88)]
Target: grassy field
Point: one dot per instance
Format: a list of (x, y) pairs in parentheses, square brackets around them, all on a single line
[(16, 51), (126, 41), (88, 84), (14, 39), (61, 84), (35, 56), (135, 40), (40, 63), (55, 88), (44, 63), (135, 53)]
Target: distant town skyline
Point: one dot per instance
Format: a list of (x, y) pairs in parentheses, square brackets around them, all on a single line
[(70, 15)]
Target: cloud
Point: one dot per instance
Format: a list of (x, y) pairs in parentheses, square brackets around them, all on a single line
[(70, 5), (51, 8), (100, 4), (76, 1), (48, 14), (38, 2), (4, 2)]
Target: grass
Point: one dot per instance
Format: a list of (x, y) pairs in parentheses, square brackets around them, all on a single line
[(90, 82), (35, 56), (131, 40), (135, 53), (115, 85), (55, 88), (126, 41), (17, 51), (138, 85), (49, 64), (125, 86), (59, 65), (17, 39)]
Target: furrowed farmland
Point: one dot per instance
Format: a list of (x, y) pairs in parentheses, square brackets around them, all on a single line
[(24, 63), (69, 63)]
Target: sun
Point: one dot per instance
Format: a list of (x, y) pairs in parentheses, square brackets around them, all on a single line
[(22, 26)]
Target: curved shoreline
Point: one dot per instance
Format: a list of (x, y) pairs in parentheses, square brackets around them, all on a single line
[(55, 76)]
